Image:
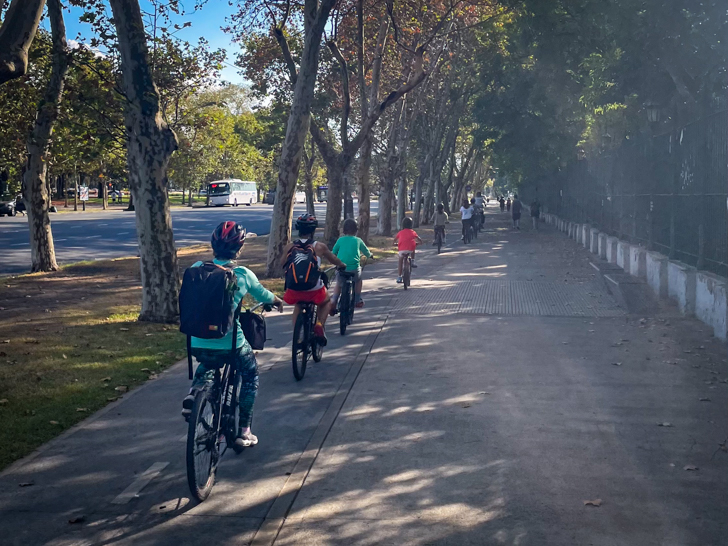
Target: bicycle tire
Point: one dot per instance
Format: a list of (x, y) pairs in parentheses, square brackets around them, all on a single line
[(201, 470), (352, 303), (407, 273), (439, 243), (317, 351), (344, 309), (300, 346)]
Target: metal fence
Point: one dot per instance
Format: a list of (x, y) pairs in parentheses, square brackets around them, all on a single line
[(668, 193)]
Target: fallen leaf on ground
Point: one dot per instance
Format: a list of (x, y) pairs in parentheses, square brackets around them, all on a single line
[(64, 357), (114, 399), (466, 405), (106, 379), (53, 422), (483, 392), (4, 402), (705, 399), (595, 502), (6, 341), (691, 467), (81, 410), (25, 484), (616, 363), (153, 376), (124, 329), (665, 424), (77, 519), (122, 388), (145, 370)]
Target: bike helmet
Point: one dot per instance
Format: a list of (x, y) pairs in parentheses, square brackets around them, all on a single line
[(306, 223), (227, 239)]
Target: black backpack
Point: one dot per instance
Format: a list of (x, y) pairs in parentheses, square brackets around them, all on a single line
[(206, 301), (302, 269)]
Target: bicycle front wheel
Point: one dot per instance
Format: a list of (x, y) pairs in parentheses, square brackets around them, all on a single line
[(202, 444), (439, 243), (407, 273), (300, 348)]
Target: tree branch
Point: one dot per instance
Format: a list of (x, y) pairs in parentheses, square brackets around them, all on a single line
[(346, 108), (16, 35)]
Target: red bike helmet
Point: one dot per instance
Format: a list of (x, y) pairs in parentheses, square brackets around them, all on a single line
[(227, 240), (306, 223)]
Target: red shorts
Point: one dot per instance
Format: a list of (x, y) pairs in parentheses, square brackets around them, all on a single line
[(292, 297)]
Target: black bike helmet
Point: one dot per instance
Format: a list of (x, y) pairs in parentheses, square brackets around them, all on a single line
[(227, 240), (306, 223)]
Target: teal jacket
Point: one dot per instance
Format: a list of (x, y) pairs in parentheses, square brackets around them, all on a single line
[(248, 283)]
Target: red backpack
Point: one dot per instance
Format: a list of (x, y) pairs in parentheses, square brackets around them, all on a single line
[(302, 269)]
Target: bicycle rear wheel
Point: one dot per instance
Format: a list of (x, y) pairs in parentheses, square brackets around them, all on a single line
[(300, 347), (407, 273), (439, 243), (203, 443)]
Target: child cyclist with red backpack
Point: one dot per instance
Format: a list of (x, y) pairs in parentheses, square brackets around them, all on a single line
[(198, 308), (304, 280)]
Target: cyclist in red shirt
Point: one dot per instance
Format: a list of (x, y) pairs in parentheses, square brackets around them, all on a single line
[(406, 241)]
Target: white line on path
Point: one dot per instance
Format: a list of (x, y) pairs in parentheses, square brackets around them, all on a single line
[(76, 227), (20, 244), (140, 483), (59, 240), (93, 236)]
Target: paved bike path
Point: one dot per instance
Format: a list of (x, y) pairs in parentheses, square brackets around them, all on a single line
[(114, 453)]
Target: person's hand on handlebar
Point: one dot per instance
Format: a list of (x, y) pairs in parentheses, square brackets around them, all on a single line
[(278, 304)]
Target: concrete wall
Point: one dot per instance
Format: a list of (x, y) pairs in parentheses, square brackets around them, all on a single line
[(586, 235), (623, 258), (681, 285), (711, 302), (656, 271), (603, 246), (594, 240), (612, 250), (637, 261)]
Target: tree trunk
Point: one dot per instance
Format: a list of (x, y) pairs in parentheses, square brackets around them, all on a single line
[(35, 189), (335, 179), (386, 198), (150, 144), (130, 207), (402, 198), (308, 163), (189, 197), (16, 35), (105, 196), (364, 190), (315, 18), (183, 196), (418, 203)]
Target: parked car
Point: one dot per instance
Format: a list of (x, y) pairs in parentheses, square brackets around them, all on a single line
[(7, 206), (270, 197), (299, 197)]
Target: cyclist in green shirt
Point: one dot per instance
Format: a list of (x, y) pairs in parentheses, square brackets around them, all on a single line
[(349, 249)]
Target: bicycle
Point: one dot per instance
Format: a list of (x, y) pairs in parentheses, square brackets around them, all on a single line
[(407, 270), (305, 344), (439, 235), (468, 233), (347, 300), (213, 425)]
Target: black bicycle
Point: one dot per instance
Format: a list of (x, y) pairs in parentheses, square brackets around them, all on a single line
[(468, 236), (305, 345), (347, 300), (439, 236), (407, 270), (213, 425)]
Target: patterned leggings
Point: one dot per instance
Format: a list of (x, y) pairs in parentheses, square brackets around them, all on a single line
[(210, 360)]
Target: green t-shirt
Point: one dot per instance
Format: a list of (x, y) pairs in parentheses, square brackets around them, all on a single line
[(349, 250)]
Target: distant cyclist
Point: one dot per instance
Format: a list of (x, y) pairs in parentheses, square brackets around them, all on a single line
[(466, 210), (227, 242), (406, 241), (480, 204), (304, 280), (349, 248), (441, 218)]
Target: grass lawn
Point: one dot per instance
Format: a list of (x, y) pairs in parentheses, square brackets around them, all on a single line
[(70, 342)]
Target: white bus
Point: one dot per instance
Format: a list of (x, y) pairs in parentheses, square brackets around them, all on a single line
[(231, 192)]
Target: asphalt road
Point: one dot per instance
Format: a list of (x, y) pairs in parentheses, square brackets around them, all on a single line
[(112, 234)]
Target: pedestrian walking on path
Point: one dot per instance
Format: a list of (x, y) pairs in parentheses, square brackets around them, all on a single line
[(516, 213), (502, 204), (535, 212), (508, 204)]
